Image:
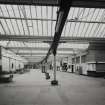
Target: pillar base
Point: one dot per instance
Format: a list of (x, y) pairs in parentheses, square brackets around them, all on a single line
[(54, 82)]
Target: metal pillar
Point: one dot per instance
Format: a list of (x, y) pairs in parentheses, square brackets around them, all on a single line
[(54, 82), (54, 67), (74, 60)]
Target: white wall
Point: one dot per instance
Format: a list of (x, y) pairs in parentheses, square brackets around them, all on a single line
[(5, 64), (11, 61)]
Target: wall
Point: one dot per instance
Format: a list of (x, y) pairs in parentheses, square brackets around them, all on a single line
[(5, 64), (11, 61), (94, 60), (96, 54), (100, 67), (90, 57)]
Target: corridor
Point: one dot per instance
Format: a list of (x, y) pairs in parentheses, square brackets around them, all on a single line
[(33, 89)]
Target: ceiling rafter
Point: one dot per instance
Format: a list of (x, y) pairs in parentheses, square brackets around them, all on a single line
[(48, 39), (36, 19), (28, 53), (42, 48), (75, 3)]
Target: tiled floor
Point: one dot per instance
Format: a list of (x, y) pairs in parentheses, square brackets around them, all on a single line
[(33, 89)]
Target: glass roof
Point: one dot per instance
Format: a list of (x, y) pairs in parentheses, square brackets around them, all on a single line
[(27, 20), (85, 22), (22, 20)]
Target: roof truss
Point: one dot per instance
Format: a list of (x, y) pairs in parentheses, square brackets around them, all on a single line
[(49, 39), (75, 3)]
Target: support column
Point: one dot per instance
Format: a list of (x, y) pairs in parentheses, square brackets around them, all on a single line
[(0, 58), (54, 67), (42, 68), (74, 60), (54, 82)]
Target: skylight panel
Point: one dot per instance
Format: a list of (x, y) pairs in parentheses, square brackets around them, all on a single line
[(70, 13), (49, 28), (27, 10), (37, 44), (11, 31), (101, 31), (86, 13), (9, 10), (15, 27), (1, 13), (88, 31), (72, 29), (63, 31), (5, 26), (25, 27), (93, 31), (83, 33), (53, 28), (67, 29), (3, 10), (90, 14), (38, 11), (64, 52), (45, 28), (71, 45), (31, 31), (3, 43), (29, 23), (1, 30), (49, 12), (76, 13), (15, 10), (54, 12), (100, 15), (33, 11), (40, 27), (21, 28), (11, 44), (20, 9), (42, 51), (35, 27), (95, 15), (76, 29), (44, 12)]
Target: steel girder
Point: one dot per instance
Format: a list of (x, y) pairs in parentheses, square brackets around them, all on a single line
[(31, 2), (42, 48), (32, 54), (75, 3), (49, 39), (68, 20)]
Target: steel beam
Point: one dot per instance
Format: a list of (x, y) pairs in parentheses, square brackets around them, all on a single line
[(68, 20), (61, 19), (50, 39), (22, 18), (41, 48), (38, 56), (32, 54), (89, 3), (75, 3), (25, 38), (31, 2)]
